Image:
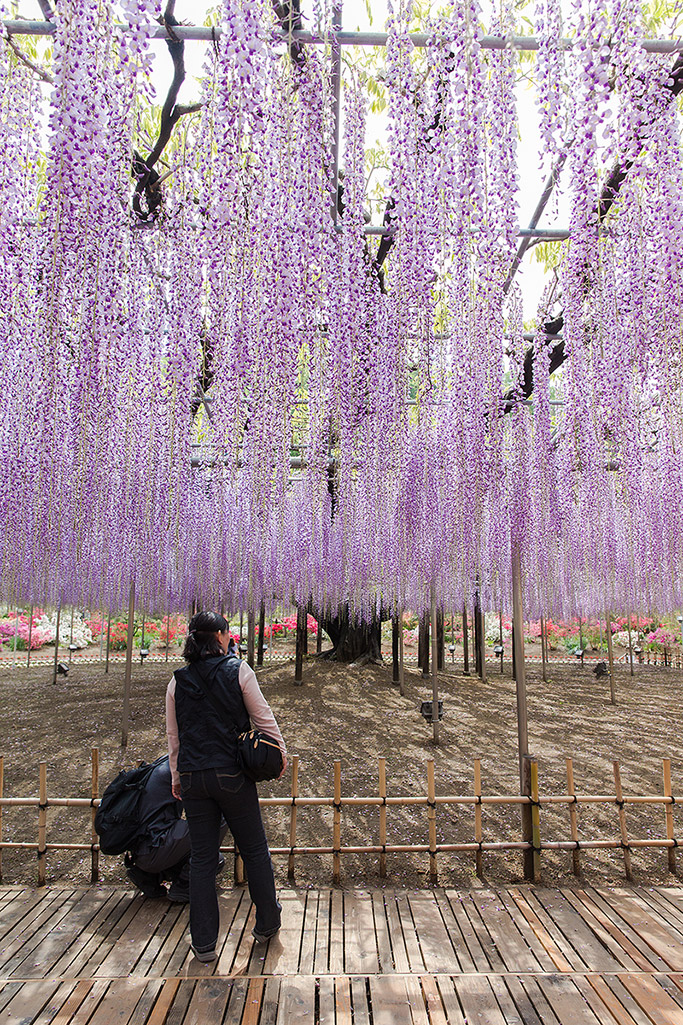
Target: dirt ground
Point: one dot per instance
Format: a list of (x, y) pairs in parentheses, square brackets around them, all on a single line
[(357, 715)]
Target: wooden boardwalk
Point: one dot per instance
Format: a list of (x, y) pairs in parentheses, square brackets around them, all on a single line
[(526, 955)]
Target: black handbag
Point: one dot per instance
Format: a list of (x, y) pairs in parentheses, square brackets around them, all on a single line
[(258, 755)]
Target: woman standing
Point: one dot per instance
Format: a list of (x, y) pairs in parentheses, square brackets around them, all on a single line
[(208, 704)]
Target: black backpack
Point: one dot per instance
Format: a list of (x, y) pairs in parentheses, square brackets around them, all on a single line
[(118, 817)]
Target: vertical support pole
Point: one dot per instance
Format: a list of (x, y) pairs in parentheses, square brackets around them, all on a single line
[(292, 816), (125, 715), (319, 637), (477, 642), (94, 794), (610, 653), (71, 633), (2, 787), (573, 819), (423, 643), (251, 633), (261, 629), (478, 834), (441, 640), (54, 668), (435, 671), (668, 813), (106, 661), (544, 650), (383, 817), (535, 819), (482, 642), (431, 814), (465, 645), (527, 823), (394, 648), (101, 633), (42, 824), (30, 634), (16, 634), (401, 663), (630, 644), (168, 627), (520, 669), (336, 826), (622, 821), (300, 635)]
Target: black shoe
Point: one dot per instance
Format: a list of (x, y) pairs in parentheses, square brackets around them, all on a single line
[(178, 896), (146, 881), (263, 937), (206, 956)]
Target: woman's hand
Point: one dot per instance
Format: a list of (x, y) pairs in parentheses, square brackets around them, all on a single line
[(175, 790), (284, 766)]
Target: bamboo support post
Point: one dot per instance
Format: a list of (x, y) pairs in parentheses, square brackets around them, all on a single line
[(622, 821), (292, 816), (401, 663), (482, 642), (106, 657), (300, 638), (610, 653), (261, 631), (435, 672), (431, 816), (56, 661), (2, 785), (394, 648), (251, 634), (535, 820), (336, 826), (42, 824), (383, 817), (573, 818), (125, 714), (478, 834), (527, 824), (669, 814), (465, 645), (94, 793)]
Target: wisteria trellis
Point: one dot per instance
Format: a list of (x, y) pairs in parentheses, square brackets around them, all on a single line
[(109, 477)]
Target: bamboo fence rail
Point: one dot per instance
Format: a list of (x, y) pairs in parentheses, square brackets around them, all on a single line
[(430, 800)]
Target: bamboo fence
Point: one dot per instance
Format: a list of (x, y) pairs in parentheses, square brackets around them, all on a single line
[(430, 800)]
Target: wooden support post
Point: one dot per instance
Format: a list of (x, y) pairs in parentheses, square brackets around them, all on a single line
[(401, 663), (30, 634), (527, 824), (630, 644), (319, 637), (42, 824), (56, 662), (573, 819), (251, 635), (544, 650), (441, 639), (101, 633), (669, 814), (535, 820), (300, 638), (622, 821), (520, 670), (336, 826), (292, 816), (423, 643), (477, 642), (94, 794), (261, 629), (106, 658), (383, 817), (435, 672), (431, 815), (394, 648), (610, 653), (478, 834), (129, 667), (2, 786), (482, 642), (465, 646)]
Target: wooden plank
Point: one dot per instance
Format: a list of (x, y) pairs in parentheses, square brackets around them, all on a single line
[(28, 1001), (283, 954), (360, 945), (502, 927), (416, 1000), (29, 930), (478, 1001), (566, 1001), (56, 1001), (129, 905), (579, 936), (659, 936), (559, 949), (174, 949), (326, 1001), (486, 941), (146, 1002), (472, 946), (390, 1003), (237, 918), (321, 957), (385, 957), (254, 999), (309, 934), (343, 1014), (336, 932), (547, 951), (399, 952), (65, 936), (668, 909), (433, 1003), (437, 949), (86, 1009), (627, 939), (602, 1012), (131, 944), (618, 1000), (529, 1000), (164, 1002), (160, 937), (77, 992), (450, 1001), (657, 1004), (119, 1002), (410, 937), (451, 924), (21, 907), (511, 1013), (611, 935), (182, 997), (297, 1000), (71, 963), (360, 1000), (269, 1006)]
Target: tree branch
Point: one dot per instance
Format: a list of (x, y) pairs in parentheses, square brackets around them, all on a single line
[(40, 72)]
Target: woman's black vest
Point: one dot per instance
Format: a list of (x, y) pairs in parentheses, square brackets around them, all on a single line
[(208, 737)]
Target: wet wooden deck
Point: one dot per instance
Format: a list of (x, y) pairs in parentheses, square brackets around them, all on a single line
[(97, 956)]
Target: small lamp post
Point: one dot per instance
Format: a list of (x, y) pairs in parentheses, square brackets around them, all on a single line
[(144, 652), (638, 652), (579, 654), (499, 651), (72, 647), (451, 648)]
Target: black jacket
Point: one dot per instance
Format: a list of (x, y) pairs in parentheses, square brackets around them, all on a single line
[(208, 735)]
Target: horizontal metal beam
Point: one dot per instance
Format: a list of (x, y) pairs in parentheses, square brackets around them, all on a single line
[(204, 33)]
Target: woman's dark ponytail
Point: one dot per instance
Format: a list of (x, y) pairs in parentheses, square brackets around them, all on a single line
[(201, 641)]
